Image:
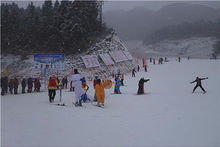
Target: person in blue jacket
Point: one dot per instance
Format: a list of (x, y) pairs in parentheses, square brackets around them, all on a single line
[(117, 85)]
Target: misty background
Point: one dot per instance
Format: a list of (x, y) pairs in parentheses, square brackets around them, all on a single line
[(149, 22), (188, 26), (136, 20)]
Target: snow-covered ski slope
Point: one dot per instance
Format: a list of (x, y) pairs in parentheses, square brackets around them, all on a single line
[(196, 47), (167, 115)]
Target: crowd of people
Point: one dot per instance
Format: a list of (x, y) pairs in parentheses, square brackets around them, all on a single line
[(11, 85), (28, 85), (79, 86)]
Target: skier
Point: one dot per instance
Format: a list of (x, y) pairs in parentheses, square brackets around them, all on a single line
[(165, 60), (52, 86), (122, 79), (100, 92), (64, 82), (16, 85), (141, 85), (77, 84), (84, 84), (117, 85), (94, 85), (3, 85), (58, 80), (30, 85), (145, 68), (199, 84), (179, 59), (85, 87), (37, 85), (6, 84), (119, 72), (161, 60), (113, 74), (133, 72), (138, 68), (71, 87), (213, 56), (153, 61), (11, 85), (23, 85)]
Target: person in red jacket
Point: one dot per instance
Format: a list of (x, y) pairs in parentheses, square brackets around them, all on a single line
[(52, 86)]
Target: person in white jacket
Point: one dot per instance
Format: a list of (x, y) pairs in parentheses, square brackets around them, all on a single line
[(77, 84)]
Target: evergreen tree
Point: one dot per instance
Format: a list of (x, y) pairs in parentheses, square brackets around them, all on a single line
[(64, 26)]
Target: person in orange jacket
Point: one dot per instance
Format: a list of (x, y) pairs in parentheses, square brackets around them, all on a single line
[(52, 86), (100, 93)]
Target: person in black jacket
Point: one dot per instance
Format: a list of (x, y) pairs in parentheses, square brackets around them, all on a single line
[(141, 85), (30, 85), (4, 85), (133, 72), (11, 85), (37, 85), (198, 84), (16, 85), (23, 85), (138, 68)]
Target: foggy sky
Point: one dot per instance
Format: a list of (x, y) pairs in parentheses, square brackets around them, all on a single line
[(153, 5), (128, 5)]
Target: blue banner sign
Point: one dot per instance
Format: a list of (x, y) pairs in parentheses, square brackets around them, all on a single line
[(49, 58), (49, 61)]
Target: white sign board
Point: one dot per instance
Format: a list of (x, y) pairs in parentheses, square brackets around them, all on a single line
[(118, 56), (90, 61), (106, 59), (128, 55)]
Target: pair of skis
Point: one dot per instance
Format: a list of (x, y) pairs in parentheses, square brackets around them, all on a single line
[(65, 105)]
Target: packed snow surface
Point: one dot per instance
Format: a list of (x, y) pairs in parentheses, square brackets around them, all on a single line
[(169, 114)]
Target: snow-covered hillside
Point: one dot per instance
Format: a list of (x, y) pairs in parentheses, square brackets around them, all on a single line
[(25, 68), (167, 115), (193, 47)]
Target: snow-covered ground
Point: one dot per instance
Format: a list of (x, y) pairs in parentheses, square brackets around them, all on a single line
[(167, 115)]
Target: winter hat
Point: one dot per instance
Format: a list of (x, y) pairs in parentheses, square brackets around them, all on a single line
[(75, 71), (98, 81)]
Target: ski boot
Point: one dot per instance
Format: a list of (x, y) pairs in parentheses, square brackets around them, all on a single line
[(76, 104)]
